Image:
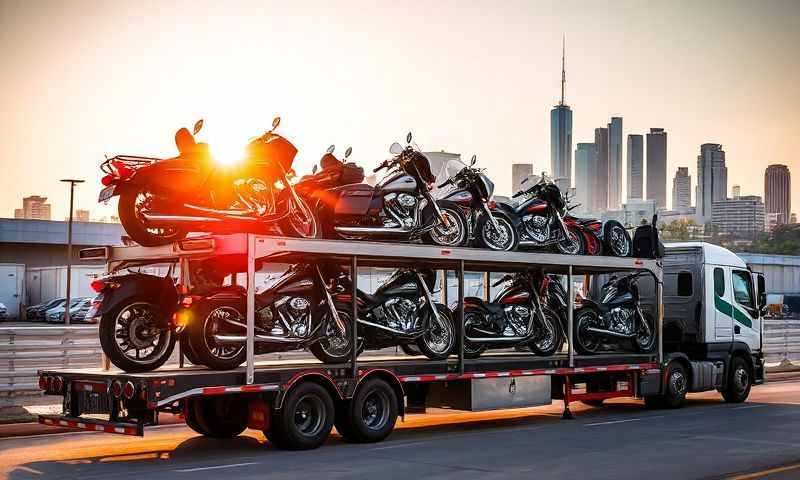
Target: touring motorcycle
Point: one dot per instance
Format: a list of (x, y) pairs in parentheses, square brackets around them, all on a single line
[(400, 206), (473, 190), (160, 201), (516, 316), (618, 317), (543, 221), (402, 311)]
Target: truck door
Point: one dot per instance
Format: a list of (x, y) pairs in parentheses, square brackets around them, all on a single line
[(746, 324), (721, 302)]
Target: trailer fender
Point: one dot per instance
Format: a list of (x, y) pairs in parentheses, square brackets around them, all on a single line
[(392, 380), (319, 378)]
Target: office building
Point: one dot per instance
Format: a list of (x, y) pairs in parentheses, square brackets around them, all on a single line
[(778, 191), (657, 166), (743, 217), (33, 208), (561, 136), (519, 172), (600, 177), (81, 215), (584, 175), (736, 191), (681, 189), (712, 180), (635, 166), (615, 163)]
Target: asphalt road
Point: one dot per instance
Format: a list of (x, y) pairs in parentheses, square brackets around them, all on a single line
[(706, 439)]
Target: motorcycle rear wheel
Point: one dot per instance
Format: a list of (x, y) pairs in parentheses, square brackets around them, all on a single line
[(207, 319), (129, 216), (643, 342), (586, 343), (617, 241), (134, 318)]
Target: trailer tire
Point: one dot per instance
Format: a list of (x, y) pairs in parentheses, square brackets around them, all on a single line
[(738, 382), (371, 414), (223, 416), (305, 420)]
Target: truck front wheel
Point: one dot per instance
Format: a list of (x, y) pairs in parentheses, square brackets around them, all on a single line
[(738, 382)]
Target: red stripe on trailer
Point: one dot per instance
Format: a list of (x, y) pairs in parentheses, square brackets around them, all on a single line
[(520, 373), (213, 390)]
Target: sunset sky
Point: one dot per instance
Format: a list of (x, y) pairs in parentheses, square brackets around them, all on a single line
[(84, 79)]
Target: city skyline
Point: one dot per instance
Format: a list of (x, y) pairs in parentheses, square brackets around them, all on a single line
[(492, 97)]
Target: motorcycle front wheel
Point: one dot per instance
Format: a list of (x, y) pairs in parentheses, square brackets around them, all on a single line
[(645, 339), (334, 346), (587, 342), (439, 340), (301, 221), (132, 338), (131, 203), (573, 245), (504, 238), (455, 233), (547, 343)]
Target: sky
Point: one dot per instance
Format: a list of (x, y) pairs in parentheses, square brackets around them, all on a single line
[(84, 79)]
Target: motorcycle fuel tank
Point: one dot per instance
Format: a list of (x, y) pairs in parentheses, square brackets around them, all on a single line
[(399, 182), (461, 197)]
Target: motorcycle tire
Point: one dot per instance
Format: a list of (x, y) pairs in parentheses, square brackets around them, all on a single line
[(454, 213), (650, 344), (471, 350), (484, 227), (108, 340), (410, 349), (617, 241), (446, 329), (572, 248), (186, 349), (134, 227), (550, 348), (322, 349), (205, 350), (291, 229), (586, 343)]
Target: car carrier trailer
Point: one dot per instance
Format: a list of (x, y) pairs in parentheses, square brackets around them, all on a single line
[(295, 403)]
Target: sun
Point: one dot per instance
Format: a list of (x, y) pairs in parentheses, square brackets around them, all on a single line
[(227, 150)]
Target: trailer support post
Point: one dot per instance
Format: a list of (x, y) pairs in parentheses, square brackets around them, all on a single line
[(183, 275), (570, 326), (660, 315), (567, 415), (251, 307), (461, 328), (354, 315)]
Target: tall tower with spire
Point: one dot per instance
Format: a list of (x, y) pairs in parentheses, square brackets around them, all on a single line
[(561, 133)]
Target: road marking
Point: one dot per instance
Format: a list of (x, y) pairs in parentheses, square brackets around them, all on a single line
[(409, 444), (214, 467), (744, 440), (764, 473), (612, 422), (749, 406)]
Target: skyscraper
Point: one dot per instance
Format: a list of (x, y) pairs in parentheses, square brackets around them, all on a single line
[(600, 180), (681, 189), (615, 163), (519, 172), (561, 134), (778, 191), (712, 180), (736, 191), (33, 208), (657, 166), (584, 175), (635, 166)]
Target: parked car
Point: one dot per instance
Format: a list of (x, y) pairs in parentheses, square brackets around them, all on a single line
[(37, 312), (3, 312), (56, 315), (79, 313)]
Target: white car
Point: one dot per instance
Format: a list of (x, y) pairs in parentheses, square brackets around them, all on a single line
[(3, 312), (56, 315)]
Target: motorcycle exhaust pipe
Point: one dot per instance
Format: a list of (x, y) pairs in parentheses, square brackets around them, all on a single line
[(239, 339), (237, 214), (600, 331), (372, 230), (169, 220), (414, 334)]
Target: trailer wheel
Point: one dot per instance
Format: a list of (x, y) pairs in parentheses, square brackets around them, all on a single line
[(305, 420), (738, 383), (223, 416), (371, 414), (675, 388)]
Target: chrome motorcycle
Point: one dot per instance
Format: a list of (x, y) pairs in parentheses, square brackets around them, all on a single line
[(617, 318), (399, 207), (489, 227)]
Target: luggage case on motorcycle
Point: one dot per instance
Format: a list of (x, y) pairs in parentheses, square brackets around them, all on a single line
[(646, 243), (351, 173)]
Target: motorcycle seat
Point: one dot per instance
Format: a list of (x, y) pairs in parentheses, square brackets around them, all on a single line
[(370, 298), (491, 307)]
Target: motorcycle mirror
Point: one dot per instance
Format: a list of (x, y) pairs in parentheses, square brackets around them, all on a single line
[(474, 159), (197, 126), (314, 169), (348, 152), (275, 122), (408, 137), (330, 149), (396, 149)]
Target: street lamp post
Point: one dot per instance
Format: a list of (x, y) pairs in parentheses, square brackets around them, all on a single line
[(72, 183)]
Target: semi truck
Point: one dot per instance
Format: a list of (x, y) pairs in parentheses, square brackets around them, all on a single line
[(709, 338)]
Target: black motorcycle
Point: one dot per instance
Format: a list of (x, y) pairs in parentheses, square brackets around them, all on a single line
[(402, 311), (490, 228), (295, 312), (516, 316), (399, 207), (617, 318)]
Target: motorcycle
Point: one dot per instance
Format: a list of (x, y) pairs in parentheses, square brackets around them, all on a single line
[(516, 316), (296, 312), (333, 173), (618, 317), (400, 206), (160, 201), (402, 312), (491, 228)]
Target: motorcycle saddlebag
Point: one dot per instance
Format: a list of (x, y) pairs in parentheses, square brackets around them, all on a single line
[(646, 243), (354, 199)]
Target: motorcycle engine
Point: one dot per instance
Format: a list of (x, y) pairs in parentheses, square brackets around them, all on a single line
[(254, 194), (517, 324), (294, 312), (537, 227), (620, 320), (399, 210), (400, 313)]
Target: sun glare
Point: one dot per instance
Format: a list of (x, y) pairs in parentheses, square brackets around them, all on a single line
[(227, 151)]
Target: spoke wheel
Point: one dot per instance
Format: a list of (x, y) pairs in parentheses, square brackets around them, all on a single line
[(132, 205), (133, 339), (619, 242), (440, 338), (454, 233), (586, 342), (334, 346), (573, 245), (209, 318), (501, 238), (645, 339), (301, 221)]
